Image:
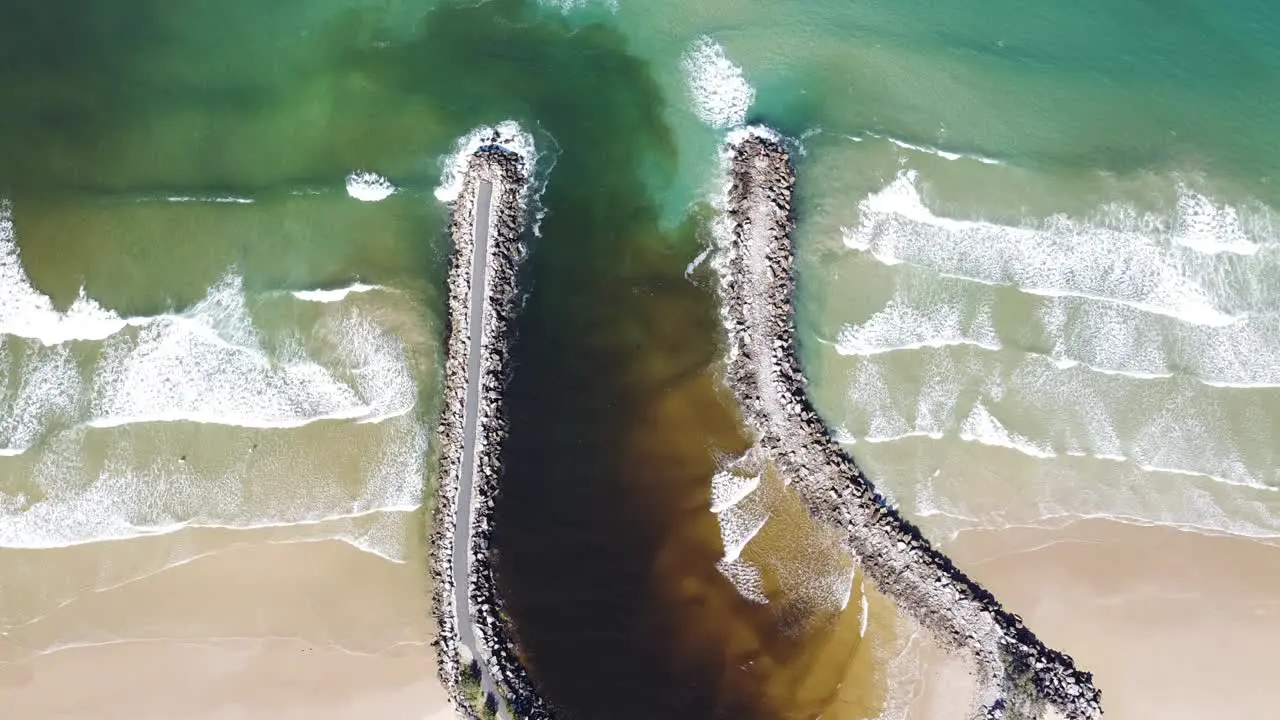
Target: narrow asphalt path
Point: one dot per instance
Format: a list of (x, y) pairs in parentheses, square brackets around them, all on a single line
[(470, 423)]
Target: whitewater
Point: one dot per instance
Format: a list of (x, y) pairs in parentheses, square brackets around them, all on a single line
[(1122, 363), (121, 427)]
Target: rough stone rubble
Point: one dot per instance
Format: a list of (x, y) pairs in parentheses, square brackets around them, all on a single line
[(1018, 675), (506, 171)]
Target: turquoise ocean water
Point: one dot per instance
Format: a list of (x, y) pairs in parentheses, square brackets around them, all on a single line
[(1040, 280)]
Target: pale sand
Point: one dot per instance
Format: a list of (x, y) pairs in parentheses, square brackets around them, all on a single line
[(1175, 625), (256, 630)]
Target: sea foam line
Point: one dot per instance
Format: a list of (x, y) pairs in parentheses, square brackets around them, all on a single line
[(927, 149), (361, 414), (1058, 518), (1039, 452), (219, 199), (143, 531), (255, 640), (334, 294), (1057, 257), (566, 6), (1063, 363), (335, 535), (1190, 315), (928, 311)]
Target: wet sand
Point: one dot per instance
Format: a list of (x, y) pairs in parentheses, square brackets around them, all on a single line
[(1175, 625), (255, 629)]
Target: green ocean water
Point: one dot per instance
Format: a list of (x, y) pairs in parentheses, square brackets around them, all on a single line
[(985, 187)]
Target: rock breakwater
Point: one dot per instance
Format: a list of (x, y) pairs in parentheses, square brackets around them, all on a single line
[(486, 222), (1018, 675)]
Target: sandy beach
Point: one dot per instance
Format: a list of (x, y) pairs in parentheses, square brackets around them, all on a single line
[(1175, 625), (253, 629)]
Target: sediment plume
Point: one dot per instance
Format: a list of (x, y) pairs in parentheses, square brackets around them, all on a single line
[(487, 219), (1019, 677)]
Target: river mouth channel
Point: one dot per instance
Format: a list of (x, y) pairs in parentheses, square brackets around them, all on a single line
[(606, 547)]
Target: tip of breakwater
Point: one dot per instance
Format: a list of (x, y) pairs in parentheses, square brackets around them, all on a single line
[(1018, 675), (507, 137), (473, 423)]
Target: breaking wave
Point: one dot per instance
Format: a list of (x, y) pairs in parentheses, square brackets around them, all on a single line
[(1122, 364), (718, 90), (28, 313), (569, 5), (123, 427), (929, 310), (453, 167), (335, 294), (369, 187), (1032, 405), (926, 149), (1150, 263), (510, 136)]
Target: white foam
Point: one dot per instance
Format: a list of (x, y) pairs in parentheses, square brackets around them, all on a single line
[(697, 261), (841, 434), (1169, 425), (86, 486), (740, 522), (207, 364), (220, 199), (746, 578), (381, 534), (728, 489), (842, 588), (566, 6), (739, 135), (1023, 491), (923, 314), (878, 439), (507, 134), (334, 294), (866, 610), (1210, 228), (1055, 257), (210, 364), (929, 150), (928, 310), (27, 312), (983, 427), (67, 522), (369, 186), (47, 388), (718, 89)]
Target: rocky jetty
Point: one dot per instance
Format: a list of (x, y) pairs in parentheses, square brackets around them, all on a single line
[(1018, 675), (478, 605)]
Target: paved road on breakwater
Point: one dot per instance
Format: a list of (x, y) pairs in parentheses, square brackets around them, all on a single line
[(470, 422)]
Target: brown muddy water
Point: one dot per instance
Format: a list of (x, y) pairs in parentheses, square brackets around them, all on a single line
[(607, 547)]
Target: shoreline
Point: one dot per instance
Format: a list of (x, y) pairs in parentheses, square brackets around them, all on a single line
[(467, 491), (235, 631), (1018, 675), (1176, 624)]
